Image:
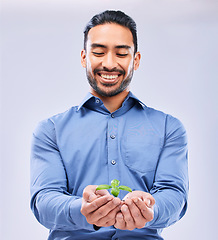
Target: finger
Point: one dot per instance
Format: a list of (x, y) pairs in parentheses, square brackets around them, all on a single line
[(145, 196), (89, 194), (105, 212), (89, 197), (102, 192), (138, 218), (110, 218), (109, 223), (88, 208), (120, 223), (146, 212), (149, 200), (127, 217)]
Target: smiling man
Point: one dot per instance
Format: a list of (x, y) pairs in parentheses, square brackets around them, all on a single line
[(109, 58), (110, 135)]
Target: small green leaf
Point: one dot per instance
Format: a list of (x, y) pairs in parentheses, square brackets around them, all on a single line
[(103, 186), (115, 183), (115, 191), (125, 188)]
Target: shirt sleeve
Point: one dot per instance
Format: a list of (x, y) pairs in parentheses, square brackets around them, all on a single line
[(52, 204), (170, 188)]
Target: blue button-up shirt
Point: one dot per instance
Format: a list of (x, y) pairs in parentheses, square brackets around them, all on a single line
[(87, 145)]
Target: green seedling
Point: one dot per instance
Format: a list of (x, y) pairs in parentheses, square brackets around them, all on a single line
[(115, 188)]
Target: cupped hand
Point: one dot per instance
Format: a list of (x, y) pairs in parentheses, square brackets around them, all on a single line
[(99, 207), (136, 211)]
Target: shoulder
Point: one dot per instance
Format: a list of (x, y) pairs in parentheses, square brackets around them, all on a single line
[(161, 116), (167, 122), (154, 114), (49, 125)]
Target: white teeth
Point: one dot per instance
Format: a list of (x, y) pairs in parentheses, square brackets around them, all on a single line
[(109, 76)]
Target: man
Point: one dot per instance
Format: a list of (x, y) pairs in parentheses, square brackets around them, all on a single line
[(110, 135)]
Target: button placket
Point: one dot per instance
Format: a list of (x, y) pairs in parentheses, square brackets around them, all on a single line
[(113, 148)]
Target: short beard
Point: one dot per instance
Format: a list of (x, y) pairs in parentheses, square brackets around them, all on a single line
[(125, 83)]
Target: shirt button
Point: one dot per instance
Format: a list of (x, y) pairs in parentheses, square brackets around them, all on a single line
[(113, 136), (112, 115), (113, 162)]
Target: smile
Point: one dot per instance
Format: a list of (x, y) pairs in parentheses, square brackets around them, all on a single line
[(109, 77)]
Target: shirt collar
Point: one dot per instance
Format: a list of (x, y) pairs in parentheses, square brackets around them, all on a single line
[(131, 95), (86, 99), (95, 103)]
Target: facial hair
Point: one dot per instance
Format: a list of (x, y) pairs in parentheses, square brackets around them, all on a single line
[(124, 84)]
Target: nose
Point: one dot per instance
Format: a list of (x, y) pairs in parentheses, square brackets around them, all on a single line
[(109, 61)]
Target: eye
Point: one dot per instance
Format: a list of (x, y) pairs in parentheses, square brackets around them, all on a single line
[(98, 53), (122, 55)]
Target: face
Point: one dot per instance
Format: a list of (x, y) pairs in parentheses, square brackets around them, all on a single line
[(109, 59)]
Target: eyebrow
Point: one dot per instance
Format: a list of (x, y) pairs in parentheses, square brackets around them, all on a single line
[(123, 46), (96, 45)]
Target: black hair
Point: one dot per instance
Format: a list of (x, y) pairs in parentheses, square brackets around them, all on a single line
[(110, 16)]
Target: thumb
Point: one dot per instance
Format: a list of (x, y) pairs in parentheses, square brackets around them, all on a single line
[(89, 193), (149, 200)]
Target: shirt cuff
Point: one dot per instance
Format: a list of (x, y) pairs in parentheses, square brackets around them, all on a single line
[(76, 216)]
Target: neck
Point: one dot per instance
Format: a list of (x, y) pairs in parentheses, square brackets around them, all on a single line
[(112, 103)]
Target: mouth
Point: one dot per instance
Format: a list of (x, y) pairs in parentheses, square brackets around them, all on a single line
[(111, 78)]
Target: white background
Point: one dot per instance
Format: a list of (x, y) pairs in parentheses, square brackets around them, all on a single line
[(41, 75)]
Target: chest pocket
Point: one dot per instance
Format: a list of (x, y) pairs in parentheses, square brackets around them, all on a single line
[(142, 154)]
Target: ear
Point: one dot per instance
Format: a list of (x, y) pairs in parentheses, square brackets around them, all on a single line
[(83, 58), (137, 60)]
